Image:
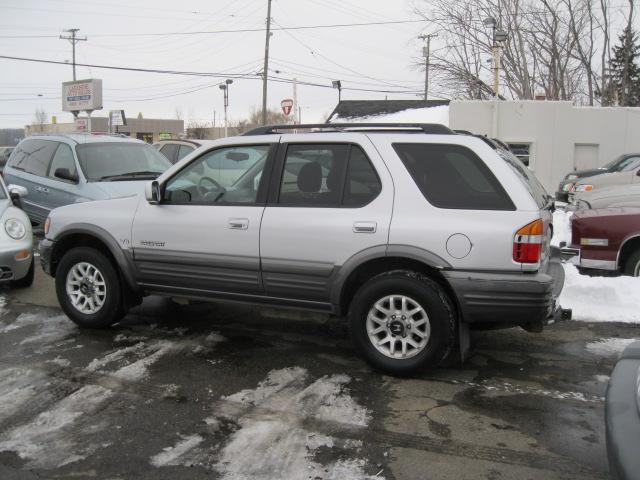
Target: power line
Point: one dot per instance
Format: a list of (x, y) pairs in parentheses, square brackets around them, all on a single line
[(248, 76), (243, 30)]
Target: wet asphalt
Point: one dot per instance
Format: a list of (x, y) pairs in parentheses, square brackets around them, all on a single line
[(234, 391)]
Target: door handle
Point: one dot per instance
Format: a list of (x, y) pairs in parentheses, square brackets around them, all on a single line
[(42, 189), (238, 223), (365, 227)]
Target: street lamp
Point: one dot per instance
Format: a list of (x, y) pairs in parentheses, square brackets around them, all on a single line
[(225, 89), (499, 36), (338, 84)]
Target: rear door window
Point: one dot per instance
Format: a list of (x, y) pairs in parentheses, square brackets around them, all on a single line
[(63, 158), (452, 176), (34, 156)]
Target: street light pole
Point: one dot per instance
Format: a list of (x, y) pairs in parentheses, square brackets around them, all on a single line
[(498, 36), (338, 84), (265, 70), (225, 90)]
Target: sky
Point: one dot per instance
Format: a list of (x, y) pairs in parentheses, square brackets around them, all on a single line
[(374, 57)]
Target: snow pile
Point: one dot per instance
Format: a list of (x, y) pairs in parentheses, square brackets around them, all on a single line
[(609, 346), (561, 227), (439, 114), (601, 299)]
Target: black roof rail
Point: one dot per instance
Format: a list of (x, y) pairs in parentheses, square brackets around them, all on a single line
[(430, 128)]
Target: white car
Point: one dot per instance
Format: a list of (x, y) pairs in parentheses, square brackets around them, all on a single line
[(618, 196), (16, 239)]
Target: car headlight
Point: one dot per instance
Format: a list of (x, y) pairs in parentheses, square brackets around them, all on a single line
[(571, 176), (15, 228), (584, 188)]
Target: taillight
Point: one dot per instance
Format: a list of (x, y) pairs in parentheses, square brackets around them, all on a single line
[(527, 244)]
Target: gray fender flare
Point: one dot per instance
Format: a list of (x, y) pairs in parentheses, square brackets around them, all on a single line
[(123, 258), (381, 251)]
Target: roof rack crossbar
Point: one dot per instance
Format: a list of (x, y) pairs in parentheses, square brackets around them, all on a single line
[(429, 128)]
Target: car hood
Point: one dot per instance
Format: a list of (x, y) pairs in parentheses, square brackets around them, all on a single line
[(607, 179), (121, 189), (588, 173), (609, 192), (607, 212)]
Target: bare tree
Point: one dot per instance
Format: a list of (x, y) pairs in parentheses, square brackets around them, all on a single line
[(178, 113), (255, 120), (198, 129), (551, 46), (40, 117)]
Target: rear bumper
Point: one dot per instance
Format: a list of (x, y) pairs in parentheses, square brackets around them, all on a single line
[(622, 417), (518, 298)]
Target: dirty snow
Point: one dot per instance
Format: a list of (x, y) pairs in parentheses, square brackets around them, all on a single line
[(601, 299), (438, 114), (271, 420), (609, 346), (170, 455)]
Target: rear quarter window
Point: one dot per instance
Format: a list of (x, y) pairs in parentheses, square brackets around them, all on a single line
[(33, 156), (452, 176)]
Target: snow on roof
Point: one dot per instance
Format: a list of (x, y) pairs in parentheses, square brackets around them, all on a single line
[(438, 114)]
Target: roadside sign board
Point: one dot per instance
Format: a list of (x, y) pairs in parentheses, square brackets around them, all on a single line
[(287, 105), (82, 95), (117, 118), (164, 136), (82, 124)]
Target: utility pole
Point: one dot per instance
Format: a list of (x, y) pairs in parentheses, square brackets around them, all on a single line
[(73, 38), (265, 70), (225, 89), (426, 51), (295, 101)]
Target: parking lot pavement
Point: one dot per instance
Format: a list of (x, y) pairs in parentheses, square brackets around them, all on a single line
[(213, 391)]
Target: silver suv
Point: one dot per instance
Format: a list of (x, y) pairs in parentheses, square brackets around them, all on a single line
[(415, 232), (59, 170)]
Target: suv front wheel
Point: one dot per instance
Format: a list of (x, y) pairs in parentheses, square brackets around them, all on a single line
[(88, 288), (402, 321)]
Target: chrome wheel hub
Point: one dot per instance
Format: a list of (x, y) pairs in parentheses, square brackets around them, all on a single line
[(86, 288), (398, 327)]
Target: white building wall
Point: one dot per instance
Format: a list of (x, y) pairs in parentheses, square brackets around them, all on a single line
[(553, 129)]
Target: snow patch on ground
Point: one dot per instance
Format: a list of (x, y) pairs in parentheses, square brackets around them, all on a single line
[(49, 329), (17, 387), (601, 299), (170, 455), (271, 425), (609, 346), (438, 114), (561, 227)]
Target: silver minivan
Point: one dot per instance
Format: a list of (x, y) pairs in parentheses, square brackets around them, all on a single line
[(59, 170)]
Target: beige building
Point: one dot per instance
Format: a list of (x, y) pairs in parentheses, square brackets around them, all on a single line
[(148, 129)]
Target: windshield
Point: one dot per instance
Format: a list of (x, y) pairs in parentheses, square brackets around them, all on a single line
[(621, 163), (101, 161)]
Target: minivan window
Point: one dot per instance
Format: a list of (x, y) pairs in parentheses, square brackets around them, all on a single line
[(112, 161), (34, 156), (452, 176), (62, 159), (169, 150)]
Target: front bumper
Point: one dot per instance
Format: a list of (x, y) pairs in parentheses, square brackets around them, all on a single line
[(518, 298), (622, 416), (45, 248), (10, 267)]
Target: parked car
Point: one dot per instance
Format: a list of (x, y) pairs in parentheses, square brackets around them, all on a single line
[(618, 196), (176, 150), (607, 239), (16, 239), (59, 170), (622, 415), (5, 153), (628, 174), (567, 184), (415, 232)]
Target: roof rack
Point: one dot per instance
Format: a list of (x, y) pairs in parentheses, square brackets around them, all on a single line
[(429, 128)]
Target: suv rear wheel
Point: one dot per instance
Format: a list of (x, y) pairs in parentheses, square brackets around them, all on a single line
[(401, 321), (88, 288), (632, 265)]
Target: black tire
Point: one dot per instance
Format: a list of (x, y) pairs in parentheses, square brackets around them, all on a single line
[(113, 308), (27, 280), (429, 295), (632, 265)]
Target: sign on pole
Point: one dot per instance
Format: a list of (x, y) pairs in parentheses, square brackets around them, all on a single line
[(287, 105), (82, 124), (82, 95), (117, 118)]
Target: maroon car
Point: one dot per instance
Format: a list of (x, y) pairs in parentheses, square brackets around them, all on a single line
[(608, 239)]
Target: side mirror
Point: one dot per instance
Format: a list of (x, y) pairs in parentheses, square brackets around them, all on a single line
[(65, 174), (16, 192), (152, 192)]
